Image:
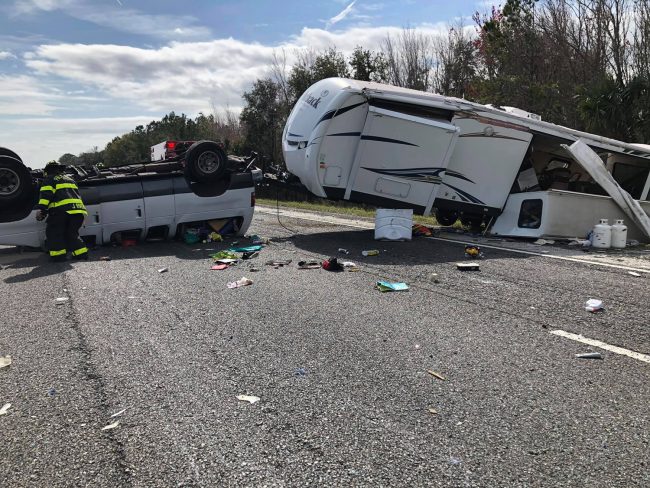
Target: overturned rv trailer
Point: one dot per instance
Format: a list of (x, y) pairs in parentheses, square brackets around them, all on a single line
[(400, 148)]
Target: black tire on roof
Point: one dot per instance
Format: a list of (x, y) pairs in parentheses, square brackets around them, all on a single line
[(205, 162), (8, 152), (15, 180)]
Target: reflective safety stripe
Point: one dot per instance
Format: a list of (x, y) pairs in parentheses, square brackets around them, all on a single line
[(61, 186), (68, 201), (47, 188), (72, 212), (42, 201), (57, 253), (80, 251)]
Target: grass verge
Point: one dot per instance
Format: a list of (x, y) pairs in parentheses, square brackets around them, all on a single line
[(347, 210)]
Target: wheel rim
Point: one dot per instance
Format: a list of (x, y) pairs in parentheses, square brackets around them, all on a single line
[(9, 182), (208, 162)]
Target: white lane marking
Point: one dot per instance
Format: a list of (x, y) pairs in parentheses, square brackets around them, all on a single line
[(362, 225), (602, 345)]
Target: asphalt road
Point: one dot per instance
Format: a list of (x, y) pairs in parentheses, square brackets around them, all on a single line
[(340, 368)]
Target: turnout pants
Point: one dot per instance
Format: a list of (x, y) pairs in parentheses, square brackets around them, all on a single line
[(62, 234)]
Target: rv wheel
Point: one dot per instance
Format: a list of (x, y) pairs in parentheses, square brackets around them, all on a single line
[(472, 221), (446, 217), (205, 162), (15, 180)]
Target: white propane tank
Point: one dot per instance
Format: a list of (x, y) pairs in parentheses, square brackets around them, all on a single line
[(619, 235), (601, 237)]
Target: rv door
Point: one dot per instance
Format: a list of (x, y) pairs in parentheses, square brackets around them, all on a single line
[(400, 160)]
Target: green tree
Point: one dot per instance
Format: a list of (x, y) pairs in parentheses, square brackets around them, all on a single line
[(367, 66), (69, 159), (261, 119)]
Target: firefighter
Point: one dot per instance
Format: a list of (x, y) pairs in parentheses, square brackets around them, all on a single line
[(60, 202)]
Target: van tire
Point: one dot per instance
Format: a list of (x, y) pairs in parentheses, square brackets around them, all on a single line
[(205, 162), (15, 180), (8, 152)]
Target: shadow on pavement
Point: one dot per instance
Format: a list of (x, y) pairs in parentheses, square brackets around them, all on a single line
[(408, 253)]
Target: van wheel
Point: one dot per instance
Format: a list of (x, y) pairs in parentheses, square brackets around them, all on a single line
[(446, 217), (8, 152), (205, 162), (15, 179)]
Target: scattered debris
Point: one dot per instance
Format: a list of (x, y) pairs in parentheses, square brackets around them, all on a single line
[(343, 251), (219, 267), (278, 262), (590, 355), (5, 408), (634, 273), (163, 270), (436, 375), (543, 242), (246, 248), (240, 282), (433, 278), (350, 266), (248, 398), (420, 230), (433, 411), (472, 251), (580, 242), (51, 392), (226, 261), (250, 255), (468, 266), (594, 305), (111, 426), (332, 264), (253, 270), (384, 286), (371, 252), (301, 372), (117, 414), (221, 255), (61, 300), (309, 264), (5, 361)]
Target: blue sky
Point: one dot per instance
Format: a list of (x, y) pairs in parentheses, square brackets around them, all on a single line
[(76, 73)]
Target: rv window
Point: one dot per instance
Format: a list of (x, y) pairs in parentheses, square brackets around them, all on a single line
[(411, 109), (530, 215), (631, 178)]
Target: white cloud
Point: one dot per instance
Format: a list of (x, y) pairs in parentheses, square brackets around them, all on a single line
[(119, 18), (341, 15), (38, 140), (6, 55), (186, 77)]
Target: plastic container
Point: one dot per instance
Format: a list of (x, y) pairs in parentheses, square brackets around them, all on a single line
[(601, 237), (394, 224), (619, 235), (371, 252)]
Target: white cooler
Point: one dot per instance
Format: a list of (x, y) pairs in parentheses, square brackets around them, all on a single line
[(393, 224)]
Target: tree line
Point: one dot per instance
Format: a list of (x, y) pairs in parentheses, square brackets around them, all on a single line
[(584, 64)]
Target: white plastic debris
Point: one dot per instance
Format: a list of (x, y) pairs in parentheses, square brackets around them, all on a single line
[(542, 242), (163, 270), (5, 408), (240, 282), (117, 414), (593, 305), (248, 398), (61, 300), (111, 426), (634, 273), (5, 361)]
